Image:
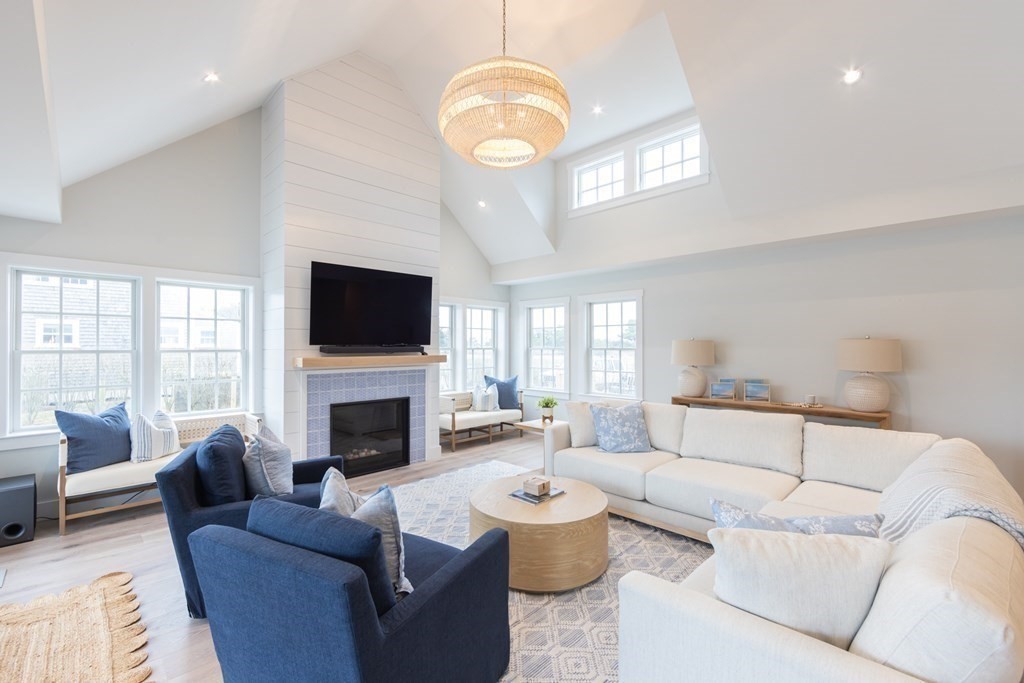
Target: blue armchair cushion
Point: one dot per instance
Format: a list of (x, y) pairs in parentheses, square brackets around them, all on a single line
[(508, 391), (268, 468), (219, 461), (342, 538), (96, 440)]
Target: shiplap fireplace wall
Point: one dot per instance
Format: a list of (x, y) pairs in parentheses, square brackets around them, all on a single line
[(351, 175)]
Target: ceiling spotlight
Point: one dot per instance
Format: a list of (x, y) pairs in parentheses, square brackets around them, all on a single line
[(851, 76), (211, 77), (597, 110), (482, 204)]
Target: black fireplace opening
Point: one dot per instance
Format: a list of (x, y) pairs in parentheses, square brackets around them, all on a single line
[(371, 435)]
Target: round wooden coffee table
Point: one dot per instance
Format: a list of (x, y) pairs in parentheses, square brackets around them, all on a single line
[(554, 546)]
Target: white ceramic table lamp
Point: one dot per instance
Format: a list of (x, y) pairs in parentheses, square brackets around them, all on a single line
[(691, 353), (867, 392)]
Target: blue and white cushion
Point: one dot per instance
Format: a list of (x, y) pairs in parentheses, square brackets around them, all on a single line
[(621, 430), (153, 438), (485, 399), (268, 467), (729, 516)]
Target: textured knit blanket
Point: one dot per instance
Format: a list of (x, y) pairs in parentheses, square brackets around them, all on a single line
[(953, 478)]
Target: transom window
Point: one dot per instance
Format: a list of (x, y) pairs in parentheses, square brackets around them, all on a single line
[(600, 181), (613, 347), (546, 353), (481, 345), (74, 346), (203, 350), (671, 159)]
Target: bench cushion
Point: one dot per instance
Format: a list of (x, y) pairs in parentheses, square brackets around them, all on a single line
[(842, 500), (688, 484), (619, 473), (859, 456), (117, 476), (466, 419), (745, 438)]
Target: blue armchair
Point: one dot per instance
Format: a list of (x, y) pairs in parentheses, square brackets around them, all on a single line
[(285, 612), (180, 490)]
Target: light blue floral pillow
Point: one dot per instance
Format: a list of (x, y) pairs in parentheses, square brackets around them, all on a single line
[(729, 516), (621, 430)]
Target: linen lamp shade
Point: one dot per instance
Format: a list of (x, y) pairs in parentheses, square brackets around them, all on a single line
[(691, 353), (866, 392)]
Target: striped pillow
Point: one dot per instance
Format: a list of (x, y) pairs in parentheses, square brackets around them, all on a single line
[(153, 438)]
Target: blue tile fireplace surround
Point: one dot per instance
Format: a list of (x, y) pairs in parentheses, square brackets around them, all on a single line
[(324, 389)]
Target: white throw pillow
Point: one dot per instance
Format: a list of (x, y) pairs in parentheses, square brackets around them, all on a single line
[(821, 586), (153, 438), (581, 423), (268, 467), (485, 399)]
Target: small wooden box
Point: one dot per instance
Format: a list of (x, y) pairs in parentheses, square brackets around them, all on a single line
[(537, 486)]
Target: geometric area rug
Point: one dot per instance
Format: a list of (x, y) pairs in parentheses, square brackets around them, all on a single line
[(570, 636)]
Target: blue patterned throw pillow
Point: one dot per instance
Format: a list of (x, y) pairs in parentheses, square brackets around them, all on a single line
[(729, 516), (621, 430)]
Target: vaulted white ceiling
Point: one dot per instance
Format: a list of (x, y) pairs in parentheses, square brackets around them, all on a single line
[(90, 85)]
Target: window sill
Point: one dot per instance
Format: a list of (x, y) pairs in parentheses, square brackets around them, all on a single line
[(562, 395), (641, 195), (593, 398)]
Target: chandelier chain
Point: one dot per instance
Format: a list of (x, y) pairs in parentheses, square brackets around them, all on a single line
[(503, 28)]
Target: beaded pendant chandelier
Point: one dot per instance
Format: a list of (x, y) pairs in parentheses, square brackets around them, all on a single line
[(504, 112)]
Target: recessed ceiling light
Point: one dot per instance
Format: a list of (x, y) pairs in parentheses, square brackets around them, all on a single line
[(597, 110), (851, 76), (211, 77), (482, 204)]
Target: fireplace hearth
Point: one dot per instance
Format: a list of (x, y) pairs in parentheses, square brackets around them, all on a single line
[(370, 435)]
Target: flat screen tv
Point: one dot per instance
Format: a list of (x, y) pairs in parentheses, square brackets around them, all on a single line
[(351, 306)]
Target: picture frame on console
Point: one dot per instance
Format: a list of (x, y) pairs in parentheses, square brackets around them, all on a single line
[(724, 389), (758, 392)]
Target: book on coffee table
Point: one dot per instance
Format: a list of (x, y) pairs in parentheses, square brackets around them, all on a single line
[(522, 495)]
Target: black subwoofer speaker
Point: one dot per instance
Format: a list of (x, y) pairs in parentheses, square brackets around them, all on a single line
[(17, 509)]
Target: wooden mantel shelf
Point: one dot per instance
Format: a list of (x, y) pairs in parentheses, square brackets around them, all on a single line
[(324, 362), (882, 419)]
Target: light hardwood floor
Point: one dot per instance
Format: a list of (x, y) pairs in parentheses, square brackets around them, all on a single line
[(137, 541)]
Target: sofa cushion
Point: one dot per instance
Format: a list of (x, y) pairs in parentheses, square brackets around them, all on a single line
[(267, 465), (336, 496), (322, 532), (621, 430), (950, 606), (219, 461), (118, 476), (859, 456), (466, 419), (688, 484), (745, 438), (842, 500), (820, 585), (581, 424), (784, 508), (381, 511), (508, 391), (619, 473), (728, 516), (665, 425), (96, 440)]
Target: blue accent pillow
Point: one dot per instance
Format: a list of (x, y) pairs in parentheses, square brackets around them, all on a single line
[(219, 461), (508, 391), (621, 430), (96, 440), (729, 516), (329, 534)]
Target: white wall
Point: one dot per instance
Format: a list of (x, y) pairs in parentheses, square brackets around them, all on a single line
[(465, 273), (193, 205), (352, 176), (953, 293)]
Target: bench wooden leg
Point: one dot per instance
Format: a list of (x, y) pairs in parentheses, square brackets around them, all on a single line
[(62, 503)]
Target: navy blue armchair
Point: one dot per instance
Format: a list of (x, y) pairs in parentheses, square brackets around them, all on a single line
[(180, 490), (280, 612)]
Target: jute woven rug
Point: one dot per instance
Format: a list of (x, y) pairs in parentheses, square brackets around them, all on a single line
[(556, 637), (87, 633)]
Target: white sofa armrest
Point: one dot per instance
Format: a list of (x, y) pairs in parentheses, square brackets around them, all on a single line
[(556, 438), (666, 629), (62, 450), (446, 405)]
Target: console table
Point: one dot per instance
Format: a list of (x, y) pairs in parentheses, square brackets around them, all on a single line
[(882, 419)]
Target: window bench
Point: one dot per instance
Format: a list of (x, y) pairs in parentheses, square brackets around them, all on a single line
[(134, 477), (457, 417)]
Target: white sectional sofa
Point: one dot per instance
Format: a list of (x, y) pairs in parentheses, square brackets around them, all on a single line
[(950, 605)]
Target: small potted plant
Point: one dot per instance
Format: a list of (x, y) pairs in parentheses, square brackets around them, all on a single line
[(547, 408)]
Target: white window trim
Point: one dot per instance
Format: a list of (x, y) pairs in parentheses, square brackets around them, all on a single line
[(580, 169), (524, 357), (459, 339), (581, 366), (147, 393), (629, 150)]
